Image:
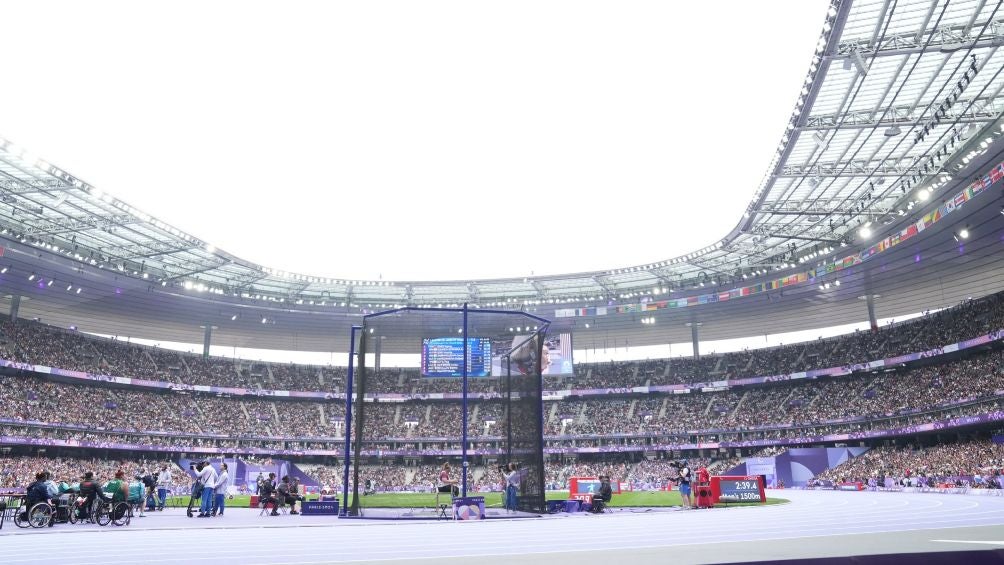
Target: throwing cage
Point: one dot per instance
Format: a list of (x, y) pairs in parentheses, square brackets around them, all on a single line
[(501, 377)]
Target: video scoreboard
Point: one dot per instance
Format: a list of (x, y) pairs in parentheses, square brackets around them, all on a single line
[(444, 357), (749, 488)]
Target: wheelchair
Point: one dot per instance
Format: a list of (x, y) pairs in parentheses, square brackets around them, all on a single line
[(109, 512), (38, 515), (102, 512), (45, 513)]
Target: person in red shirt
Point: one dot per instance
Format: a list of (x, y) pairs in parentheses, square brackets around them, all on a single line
[(703, 476), (446, 484)]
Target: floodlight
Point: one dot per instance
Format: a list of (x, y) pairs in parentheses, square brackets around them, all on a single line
[(964, 234)]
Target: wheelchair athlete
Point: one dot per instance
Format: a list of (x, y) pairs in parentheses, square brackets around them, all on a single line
[(90, 491), (104, 506), (38, 508)]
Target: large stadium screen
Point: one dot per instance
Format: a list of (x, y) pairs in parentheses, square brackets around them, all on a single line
[(443, 357), (557, 355)]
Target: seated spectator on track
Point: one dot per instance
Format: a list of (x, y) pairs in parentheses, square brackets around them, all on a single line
[(266, 493), (445, 483), (287, 494), (601, 500)]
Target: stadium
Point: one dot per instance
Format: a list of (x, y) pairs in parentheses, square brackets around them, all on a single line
[(810, 369)]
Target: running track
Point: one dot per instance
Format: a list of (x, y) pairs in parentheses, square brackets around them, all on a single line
[(814, 524)]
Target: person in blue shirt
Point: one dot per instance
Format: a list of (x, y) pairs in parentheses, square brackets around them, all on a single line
[(136, 491), (220, 492), (207, 477)]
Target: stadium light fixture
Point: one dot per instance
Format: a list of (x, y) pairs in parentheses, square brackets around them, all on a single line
[(79, 289), (32, 277), (69, 287), (964, 234), (865, 232), (587, 326), (4, 270)]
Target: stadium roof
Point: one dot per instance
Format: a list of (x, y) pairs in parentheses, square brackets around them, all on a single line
[(901, 100)]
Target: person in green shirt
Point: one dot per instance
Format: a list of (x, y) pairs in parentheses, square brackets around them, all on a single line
[(117, 487)]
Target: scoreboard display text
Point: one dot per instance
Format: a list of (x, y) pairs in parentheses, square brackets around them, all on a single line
[(444, 357), (749, 488)]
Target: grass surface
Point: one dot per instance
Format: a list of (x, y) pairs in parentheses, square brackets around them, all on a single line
[(422, 500)]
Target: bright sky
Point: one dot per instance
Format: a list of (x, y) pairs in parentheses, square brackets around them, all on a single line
[(415, 140)]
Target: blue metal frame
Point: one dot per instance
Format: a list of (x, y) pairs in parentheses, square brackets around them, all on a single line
[(463, 419), (542, 330), (348, 421)]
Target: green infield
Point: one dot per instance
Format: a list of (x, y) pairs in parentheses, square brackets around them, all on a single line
[(428, 500)]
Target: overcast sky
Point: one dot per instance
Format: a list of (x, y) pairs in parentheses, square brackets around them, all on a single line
[(416, 139)]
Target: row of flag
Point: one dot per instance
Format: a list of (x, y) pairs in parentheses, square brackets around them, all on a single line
[(978, 186)]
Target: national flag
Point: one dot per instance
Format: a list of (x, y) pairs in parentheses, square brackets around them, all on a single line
[(995, 174), (692, 300), (961, 198), (723, 296)]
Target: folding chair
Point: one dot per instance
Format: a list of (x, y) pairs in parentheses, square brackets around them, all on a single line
[(265, 503), (442, 508)]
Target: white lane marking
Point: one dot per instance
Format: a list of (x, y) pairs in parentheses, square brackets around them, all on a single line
[(969, 541)]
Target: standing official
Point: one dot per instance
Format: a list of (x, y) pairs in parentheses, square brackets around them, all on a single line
[(207, 478), (163, 483), (222, 482)]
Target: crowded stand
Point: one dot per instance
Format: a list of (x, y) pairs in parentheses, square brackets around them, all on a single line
[(32, 342), (16, 472), (973, 464), (821, 402), (39, 408)]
